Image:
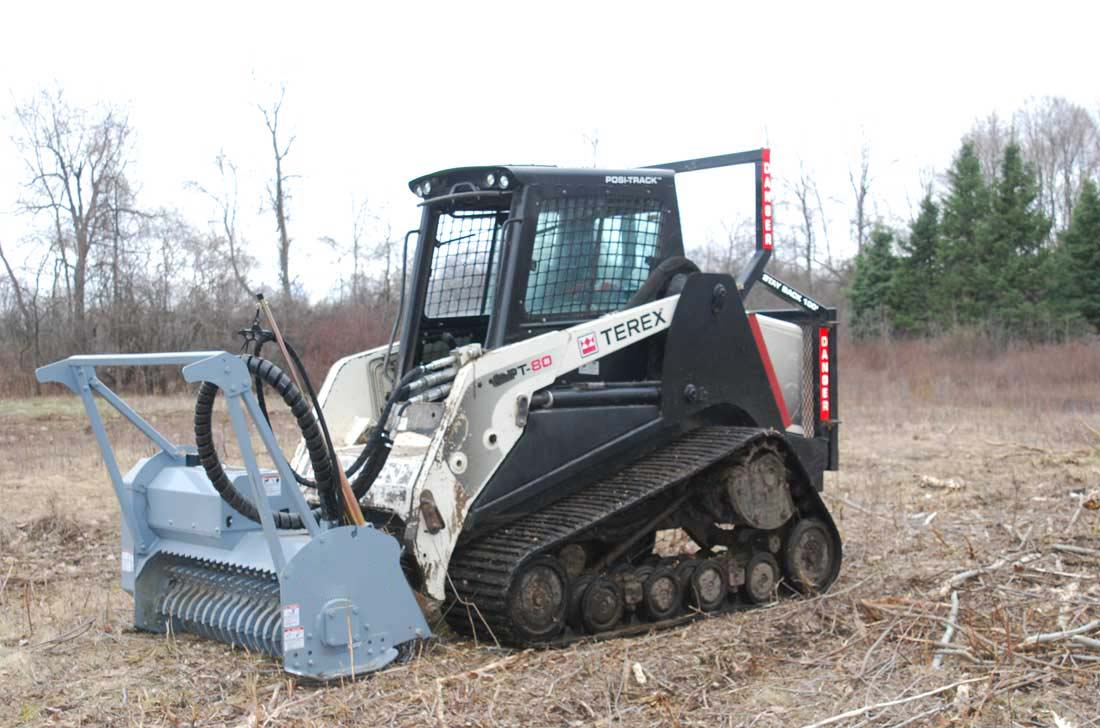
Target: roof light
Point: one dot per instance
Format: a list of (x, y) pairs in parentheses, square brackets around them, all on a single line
[(504, 181), (427, 187), (490, 180)]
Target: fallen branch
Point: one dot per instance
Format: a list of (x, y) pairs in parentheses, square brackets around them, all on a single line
[(482, 671), (965, 576), (1080, 550), (928, 481), (890, 703), (72, 634), (1057, 636), (859, 507), (949, 632)]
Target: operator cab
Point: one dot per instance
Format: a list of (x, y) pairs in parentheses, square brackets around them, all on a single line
[(506, 253)]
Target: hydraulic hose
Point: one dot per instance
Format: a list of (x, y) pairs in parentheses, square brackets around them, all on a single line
[(278, 380)]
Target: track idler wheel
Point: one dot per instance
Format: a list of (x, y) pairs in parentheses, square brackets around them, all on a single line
[(601, 605), (706, 586), (538, 600), (761, 578), (811, 560), (662, 594)]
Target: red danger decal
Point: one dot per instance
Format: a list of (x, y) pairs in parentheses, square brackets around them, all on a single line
[(823, 368), (766, 198)]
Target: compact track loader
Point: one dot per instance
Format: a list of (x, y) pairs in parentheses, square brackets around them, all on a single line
[(563, 387)]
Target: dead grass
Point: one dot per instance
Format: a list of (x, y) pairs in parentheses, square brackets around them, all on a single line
[(958, 476)]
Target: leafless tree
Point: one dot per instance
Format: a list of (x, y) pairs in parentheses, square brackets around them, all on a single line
[(806, 196), (225, 201), (277, 191), (860, 180), (990, 136), (76, 165), (27, 305), (1062, 141), (592, 139)]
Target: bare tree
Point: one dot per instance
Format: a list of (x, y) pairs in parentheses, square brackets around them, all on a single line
[(860, 180), (277, 191), (592, 139), (805, 194), (30, 320), (1062, 141), (990, 136), (226, 203), (77, 167)]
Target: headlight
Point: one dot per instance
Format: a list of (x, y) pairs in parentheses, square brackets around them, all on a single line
[(504, 182), (490, 180)]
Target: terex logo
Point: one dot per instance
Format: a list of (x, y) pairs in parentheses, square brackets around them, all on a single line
[(587, 344), (629, 179), (632, 327)]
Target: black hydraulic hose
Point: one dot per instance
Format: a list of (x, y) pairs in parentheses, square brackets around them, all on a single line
[(319, 454), (259, 387), (377, 449)]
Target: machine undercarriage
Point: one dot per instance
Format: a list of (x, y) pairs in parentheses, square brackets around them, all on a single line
[(586, 565)]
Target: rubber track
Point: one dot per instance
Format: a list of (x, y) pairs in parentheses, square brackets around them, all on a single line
[(481, 572)]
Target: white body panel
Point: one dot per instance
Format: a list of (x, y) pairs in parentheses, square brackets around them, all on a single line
[(785, 349), (479, 425)]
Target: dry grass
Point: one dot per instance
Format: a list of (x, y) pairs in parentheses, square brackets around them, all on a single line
[(951, 465)]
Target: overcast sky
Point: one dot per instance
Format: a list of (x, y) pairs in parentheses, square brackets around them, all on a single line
[(379, 93)]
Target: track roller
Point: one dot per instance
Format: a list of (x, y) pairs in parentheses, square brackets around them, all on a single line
[(601, 605), (706, 586), (811, 560), (538, 599), (662, 594), (761, 578)]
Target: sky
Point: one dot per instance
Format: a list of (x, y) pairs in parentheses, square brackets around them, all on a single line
[(379, 93)]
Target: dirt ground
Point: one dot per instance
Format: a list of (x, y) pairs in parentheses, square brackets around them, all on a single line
[(996, 505)]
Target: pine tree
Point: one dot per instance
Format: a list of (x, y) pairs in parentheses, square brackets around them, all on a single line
[(1014, 264), (917, 275), (1079, 282), (964, 288), (871, 285)]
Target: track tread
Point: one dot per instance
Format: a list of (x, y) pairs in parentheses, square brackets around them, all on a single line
[(481, 571)]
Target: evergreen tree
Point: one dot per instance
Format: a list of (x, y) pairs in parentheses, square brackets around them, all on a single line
[(917, 275), (964, 287), (1014, 263), (1078, 278), (871, 284)]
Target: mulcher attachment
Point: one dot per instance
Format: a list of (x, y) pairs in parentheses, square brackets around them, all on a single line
[(328, 600)]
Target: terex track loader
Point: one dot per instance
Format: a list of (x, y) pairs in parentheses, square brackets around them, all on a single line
[(567, 385)]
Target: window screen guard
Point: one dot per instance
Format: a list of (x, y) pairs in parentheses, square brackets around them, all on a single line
[(463, 270), (591, 254)]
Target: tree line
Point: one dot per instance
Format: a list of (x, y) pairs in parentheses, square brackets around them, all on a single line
[(1005, 241), (98, 271), (1008, 246)]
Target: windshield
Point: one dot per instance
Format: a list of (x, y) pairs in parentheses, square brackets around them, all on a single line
[(591, 254)]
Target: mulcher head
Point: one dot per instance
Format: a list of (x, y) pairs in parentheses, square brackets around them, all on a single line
[(329, 601)]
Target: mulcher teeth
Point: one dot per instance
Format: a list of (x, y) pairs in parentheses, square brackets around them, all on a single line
[(237, 606)]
